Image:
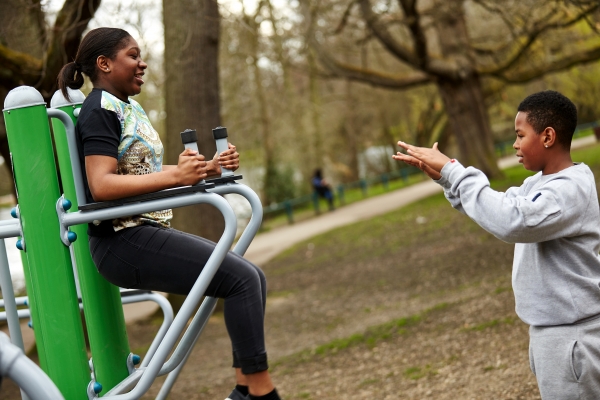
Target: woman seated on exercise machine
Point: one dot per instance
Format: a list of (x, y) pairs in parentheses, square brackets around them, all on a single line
[(121, 156)]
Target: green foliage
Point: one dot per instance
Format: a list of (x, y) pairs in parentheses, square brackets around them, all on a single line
[(279, 184)]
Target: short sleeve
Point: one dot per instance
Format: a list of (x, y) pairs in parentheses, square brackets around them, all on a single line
[(101, 133)]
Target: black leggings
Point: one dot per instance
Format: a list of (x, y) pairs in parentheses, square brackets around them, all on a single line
[(167, 260)]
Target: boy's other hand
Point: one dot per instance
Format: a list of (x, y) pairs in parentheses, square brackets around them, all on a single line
[(410, 160), (431, 161), (432, 157)]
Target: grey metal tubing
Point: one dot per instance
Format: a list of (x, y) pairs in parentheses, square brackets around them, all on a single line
[(190, 336), (10, 304), (30, 378), (10, 228), (162, 302), (73, 154), (82, 217), (180, 357), (20, 301), (9, 301), (176, 363), (7, 222), (191, 302), (257, 213), (21, 314), (167, 319)]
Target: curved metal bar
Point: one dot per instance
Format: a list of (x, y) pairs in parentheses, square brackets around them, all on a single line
[(167, 319), (178, 360), (82, 217), (9, 301), (257, 213), (15, 365), (73, 154), (191, 302), (190, 336)]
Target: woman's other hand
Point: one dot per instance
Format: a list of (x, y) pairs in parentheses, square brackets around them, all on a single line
[(229, 159)]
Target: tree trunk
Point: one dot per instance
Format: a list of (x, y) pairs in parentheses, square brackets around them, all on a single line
[(192, 95), (315, 107), (462, 93), (264, 120), (351, 137), (468, 119)]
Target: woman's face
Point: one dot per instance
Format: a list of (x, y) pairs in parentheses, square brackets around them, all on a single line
[(126, 71)]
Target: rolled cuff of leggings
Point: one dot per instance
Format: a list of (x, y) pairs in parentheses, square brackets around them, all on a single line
[(251, 365)]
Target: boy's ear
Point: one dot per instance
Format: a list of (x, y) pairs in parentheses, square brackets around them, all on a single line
[(548, 137)]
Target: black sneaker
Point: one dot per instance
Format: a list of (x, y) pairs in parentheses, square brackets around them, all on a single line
[(236, 395)]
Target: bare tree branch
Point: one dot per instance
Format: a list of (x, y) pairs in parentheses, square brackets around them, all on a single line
[(501, 11), (533, 35), (559, 65), (414, 26), (380, 31), (344, 20), (371, 77), (418, 59)]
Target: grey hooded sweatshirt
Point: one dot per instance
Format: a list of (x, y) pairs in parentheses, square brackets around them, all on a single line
[(554, 221)]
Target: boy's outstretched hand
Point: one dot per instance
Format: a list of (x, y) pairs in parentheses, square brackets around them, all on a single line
[(431, 161)]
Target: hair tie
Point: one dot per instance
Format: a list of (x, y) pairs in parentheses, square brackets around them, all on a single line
[(77, 66)]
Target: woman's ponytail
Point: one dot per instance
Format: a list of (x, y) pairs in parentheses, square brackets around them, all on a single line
[(70, 76)]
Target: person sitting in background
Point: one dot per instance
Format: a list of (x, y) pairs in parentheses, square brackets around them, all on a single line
[(322, 188)]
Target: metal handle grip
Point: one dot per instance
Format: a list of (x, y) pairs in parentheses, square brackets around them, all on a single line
[(220, 136)]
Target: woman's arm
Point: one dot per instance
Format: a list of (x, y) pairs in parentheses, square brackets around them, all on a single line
[(105, 184)]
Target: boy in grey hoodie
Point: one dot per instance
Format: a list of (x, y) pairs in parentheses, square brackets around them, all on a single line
[(554, 220)]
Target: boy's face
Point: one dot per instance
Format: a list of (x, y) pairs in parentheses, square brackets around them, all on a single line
[(529, 145)]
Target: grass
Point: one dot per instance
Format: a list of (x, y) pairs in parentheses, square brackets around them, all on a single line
[(370, 337)]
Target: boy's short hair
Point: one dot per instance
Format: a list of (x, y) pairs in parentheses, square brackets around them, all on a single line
[(551, 109)]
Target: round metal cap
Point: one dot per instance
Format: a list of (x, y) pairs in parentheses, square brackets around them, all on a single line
[(58, 100), (23, 96)]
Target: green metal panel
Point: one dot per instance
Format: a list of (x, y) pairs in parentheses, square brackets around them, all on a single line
[(56, 318), (101, 300)]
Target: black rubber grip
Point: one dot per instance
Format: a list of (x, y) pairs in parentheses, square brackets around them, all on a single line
[(220, 132), (189, 136)]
